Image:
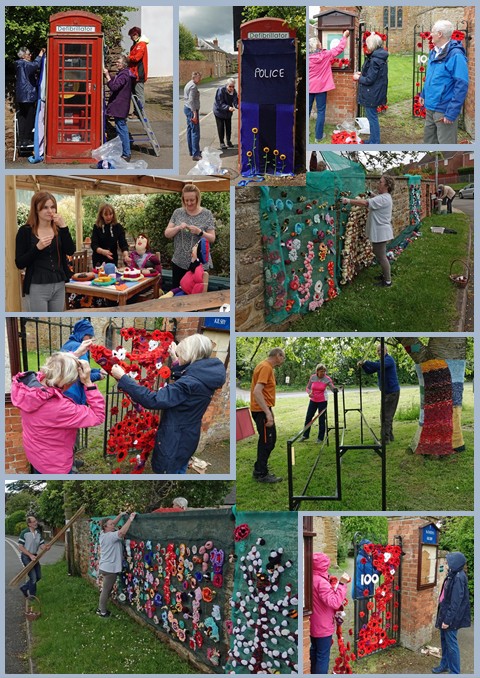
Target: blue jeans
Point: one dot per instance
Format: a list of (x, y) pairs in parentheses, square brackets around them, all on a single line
[(320, 654), (321, 99), (30, 587), (122, 131), (450, 650), (312, 410), (193, 132), (372, 117)]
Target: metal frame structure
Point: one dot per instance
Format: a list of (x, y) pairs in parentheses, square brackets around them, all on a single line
[(378, 446), (396, 612)]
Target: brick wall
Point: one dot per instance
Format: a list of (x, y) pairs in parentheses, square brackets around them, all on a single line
[(15, 460), (205, 67), (401, 200), (419, 607)]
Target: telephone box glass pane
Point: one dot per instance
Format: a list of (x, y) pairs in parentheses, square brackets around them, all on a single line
[(75, 92)]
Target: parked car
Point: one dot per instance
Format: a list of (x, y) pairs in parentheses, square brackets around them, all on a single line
[(466, 191)]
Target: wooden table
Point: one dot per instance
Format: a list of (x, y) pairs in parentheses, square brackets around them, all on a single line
[(208, 301), (111, 292)]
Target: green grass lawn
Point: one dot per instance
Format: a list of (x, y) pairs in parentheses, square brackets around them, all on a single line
[(414, 482), (422, 297), (70, 638)]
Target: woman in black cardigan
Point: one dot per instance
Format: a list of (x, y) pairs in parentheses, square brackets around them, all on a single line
[(41, 248), (107, 237)]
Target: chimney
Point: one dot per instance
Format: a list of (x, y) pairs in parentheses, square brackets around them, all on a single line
[(215, 42)]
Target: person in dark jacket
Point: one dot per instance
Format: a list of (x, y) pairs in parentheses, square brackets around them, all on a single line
[(453, 612), (41, 248), (373, 84), (446, 86), (226, 101), (107, 236), (183, 403), (392, 388), (121, 87), (26, 74)]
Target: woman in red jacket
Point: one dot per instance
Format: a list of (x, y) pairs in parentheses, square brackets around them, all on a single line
[(138, 61)]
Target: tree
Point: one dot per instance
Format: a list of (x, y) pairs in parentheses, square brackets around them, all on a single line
[(24, 500), (295, 18), (379, 162), (108, 497), (440, 365), (51, 503), (187, 48)]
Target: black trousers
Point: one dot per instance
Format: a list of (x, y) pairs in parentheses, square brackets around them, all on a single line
[(177, 275), (224, 127), (26, 121), (391, 402), (267, 437)]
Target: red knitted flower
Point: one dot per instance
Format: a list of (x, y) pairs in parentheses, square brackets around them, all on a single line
[(241, 532)]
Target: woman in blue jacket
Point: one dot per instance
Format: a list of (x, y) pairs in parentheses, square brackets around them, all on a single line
[(26, 75), (226, 101), (453, 612), (373, 84), (183, 403)]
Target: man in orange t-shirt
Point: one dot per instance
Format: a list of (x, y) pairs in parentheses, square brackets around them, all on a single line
[(262, 399)]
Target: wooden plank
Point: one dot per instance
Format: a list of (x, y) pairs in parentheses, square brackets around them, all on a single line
[(209, 301), (13, 290), (21, 575)]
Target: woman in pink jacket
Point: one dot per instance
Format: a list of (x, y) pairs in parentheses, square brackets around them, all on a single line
[(320, 78), (327, 599), (317, 392), (50, 420)]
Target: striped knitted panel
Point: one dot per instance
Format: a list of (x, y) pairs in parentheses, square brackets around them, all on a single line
[(437, 430)]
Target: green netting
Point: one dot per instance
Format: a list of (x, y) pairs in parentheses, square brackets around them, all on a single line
[(177, 577), (265, 603), (302, 229)]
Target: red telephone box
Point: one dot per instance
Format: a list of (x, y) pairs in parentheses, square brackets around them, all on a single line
[(74, 106)]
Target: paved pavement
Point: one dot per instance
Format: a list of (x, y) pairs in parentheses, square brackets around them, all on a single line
[(17, 631), (208, 130)]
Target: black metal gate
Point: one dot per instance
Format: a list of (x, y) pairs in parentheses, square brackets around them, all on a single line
[(363, 33), (421, 51), (366, 580)]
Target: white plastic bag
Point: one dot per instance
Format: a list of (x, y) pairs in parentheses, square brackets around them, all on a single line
[(109, 155), (210, 163), (363, 125)]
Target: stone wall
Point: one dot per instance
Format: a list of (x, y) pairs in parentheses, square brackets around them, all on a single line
[(469, 16), (400, 40), (419, 607)]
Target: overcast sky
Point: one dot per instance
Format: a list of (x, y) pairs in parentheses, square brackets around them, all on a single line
[(209, 23)]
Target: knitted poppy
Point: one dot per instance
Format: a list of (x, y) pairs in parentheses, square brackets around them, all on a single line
[(241, 532), (164, 372)]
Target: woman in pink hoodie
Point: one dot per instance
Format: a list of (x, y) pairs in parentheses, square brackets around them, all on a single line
[(50, 420), (320, 78), (327, 599)]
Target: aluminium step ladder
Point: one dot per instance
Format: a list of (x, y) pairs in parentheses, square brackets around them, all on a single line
[(149, 135)]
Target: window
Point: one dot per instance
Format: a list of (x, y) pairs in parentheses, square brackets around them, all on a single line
[(393, 17)]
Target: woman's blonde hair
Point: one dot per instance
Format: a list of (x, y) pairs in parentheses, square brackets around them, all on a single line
[(61, 369), (389, 182), (374, 42), (36, 204), (191, 188), (320, 366), (105, 207), (195, 347)]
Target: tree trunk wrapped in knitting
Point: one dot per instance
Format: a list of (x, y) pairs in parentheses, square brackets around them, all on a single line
[(440, 365)]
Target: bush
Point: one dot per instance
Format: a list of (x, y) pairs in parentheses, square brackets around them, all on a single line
[(458, 535), (19, 527), (467, 170), (241, 403), (23, 211), (14, 519)]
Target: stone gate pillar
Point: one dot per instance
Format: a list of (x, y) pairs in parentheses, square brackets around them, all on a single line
[(418, 606)]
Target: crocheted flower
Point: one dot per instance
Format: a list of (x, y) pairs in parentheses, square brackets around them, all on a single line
[(241, 532)]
